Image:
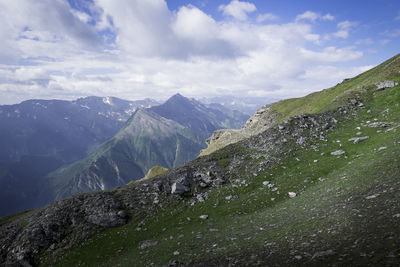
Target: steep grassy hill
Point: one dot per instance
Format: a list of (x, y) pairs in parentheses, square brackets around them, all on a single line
[(315, 189), (325, 100)]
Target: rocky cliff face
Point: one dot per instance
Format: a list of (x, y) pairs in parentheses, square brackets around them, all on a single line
[(263, 119)]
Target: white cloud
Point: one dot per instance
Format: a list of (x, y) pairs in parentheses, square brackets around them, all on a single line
[(345, 25), (266, 17), (85, 18), (41, 22), (344, 34), (332, 73), (344, 28), (392, 33), (328, 17), (332, 54), (238, 9), (308, 15), (367, 41), (312, 16), (158, 52), (192, 23), (142, 26)]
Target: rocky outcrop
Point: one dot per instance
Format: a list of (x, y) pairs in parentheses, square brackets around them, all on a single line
[(384, 85), (61, 224), (263, 119)]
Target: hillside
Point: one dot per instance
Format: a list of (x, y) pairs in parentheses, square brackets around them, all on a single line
[(325, 100), (311, 189)]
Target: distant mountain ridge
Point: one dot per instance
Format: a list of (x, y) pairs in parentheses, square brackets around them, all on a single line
[(39, 136), (54, 127), (245, 104), (167, 135)]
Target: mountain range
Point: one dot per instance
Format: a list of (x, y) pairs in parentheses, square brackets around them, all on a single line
[(167, 135), (49, 144)]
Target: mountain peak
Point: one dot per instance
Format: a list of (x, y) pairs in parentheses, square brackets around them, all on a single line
[(177, 98)]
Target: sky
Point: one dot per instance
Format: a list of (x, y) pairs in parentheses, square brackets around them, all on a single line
[(134, 49)]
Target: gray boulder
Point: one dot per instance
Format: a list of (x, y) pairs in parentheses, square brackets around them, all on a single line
[(385, 84), (179, 189)]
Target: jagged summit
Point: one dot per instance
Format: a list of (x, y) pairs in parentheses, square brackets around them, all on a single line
[(189, 113), (177, 96), (178, 102)]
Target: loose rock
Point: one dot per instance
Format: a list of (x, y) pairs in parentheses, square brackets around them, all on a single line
[(384, 85), (148, 243), (203, 217), (357, 140), (338, 153), (378, 124)]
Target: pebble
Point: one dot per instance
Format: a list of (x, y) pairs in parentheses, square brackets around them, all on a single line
[(372, 196), (203, 217)]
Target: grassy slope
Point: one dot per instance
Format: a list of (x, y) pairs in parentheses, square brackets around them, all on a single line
[(335, 96), (335, 208), (324, 100)]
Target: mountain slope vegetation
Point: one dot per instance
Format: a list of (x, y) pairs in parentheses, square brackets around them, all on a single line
[(310, 190)]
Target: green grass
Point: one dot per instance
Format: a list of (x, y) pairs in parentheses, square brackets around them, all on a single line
[(330, 192), (338, 95), (153, 172), (9, 218)]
